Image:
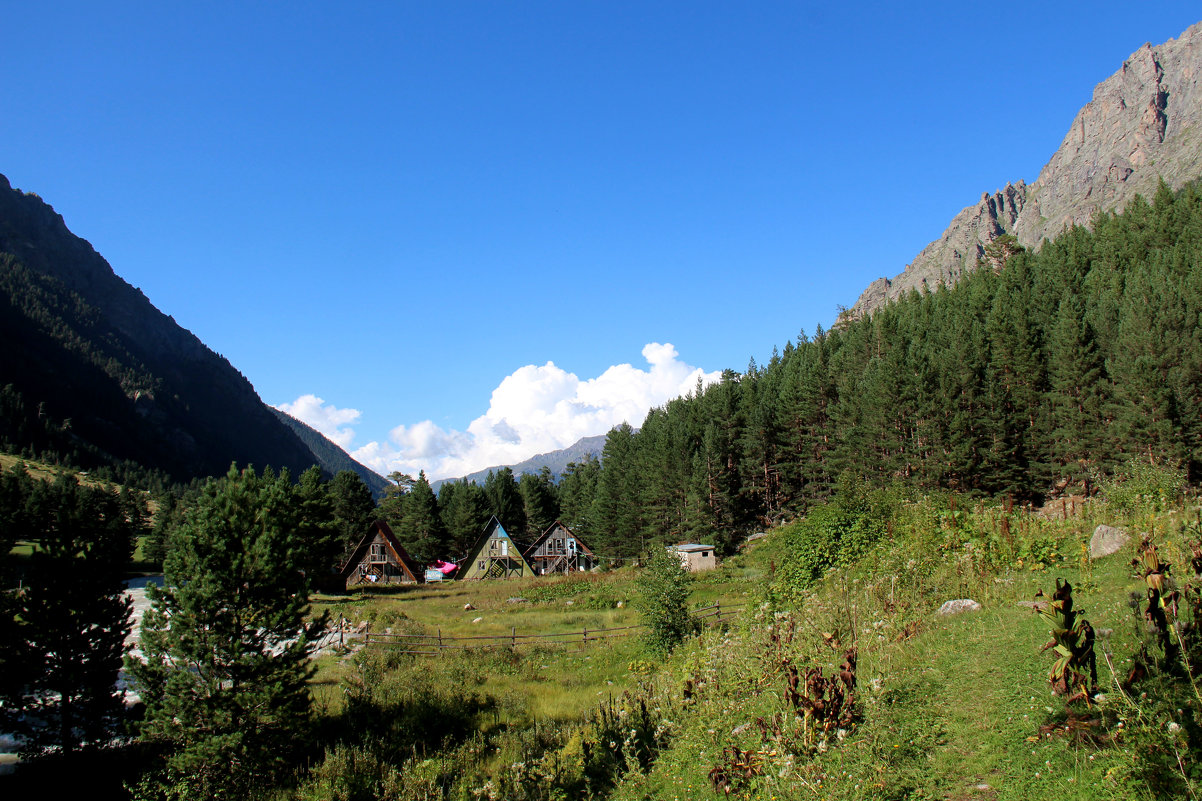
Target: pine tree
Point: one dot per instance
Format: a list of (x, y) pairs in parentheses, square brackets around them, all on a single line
[(577, 489), (422, 532), (16, 661), (1074, 407), (505, 501), (76, 616), (464, 510), (615, 512), (352, 509), (539, 500), (226, 642)]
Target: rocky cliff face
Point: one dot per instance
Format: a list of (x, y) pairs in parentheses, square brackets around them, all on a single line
[(1141, 126)]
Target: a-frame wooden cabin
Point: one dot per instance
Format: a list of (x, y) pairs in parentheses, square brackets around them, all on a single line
[(495, 556), (380, 559), (558, 550)]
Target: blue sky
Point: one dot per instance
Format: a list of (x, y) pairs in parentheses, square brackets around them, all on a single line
[(472, 229)]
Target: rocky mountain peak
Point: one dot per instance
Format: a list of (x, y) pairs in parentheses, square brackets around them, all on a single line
[(1140, 127)]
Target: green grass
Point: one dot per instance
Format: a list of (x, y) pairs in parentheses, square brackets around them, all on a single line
[(536, 682), (949, 707), (953, 711)]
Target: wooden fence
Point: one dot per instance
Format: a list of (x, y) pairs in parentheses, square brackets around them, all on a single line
[(434, 644)]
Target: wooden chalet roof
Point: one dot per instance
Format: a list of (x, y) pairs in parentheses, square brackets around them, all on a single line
[(407, 562), (580, 544)]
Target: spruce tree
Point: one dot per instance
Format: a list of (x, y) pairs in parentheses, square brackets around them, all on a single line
[(352, 510), (464, 510), (422, 532), (76, 616), (577, 489), (540, 501), (226, 642), (505, 501)]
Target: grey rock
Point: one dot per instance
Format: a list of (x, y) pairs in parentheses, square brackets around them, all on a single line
[(1107, 540), (1141, 126), (959, 605), (516, 601)]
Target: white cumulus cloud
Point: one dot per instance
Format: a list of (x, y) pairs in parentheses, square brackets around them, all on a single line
[(534, 410), (331, 421)]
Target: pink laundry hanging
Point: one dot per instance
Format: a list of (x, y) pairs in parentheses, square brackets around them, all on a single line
[(446, 568)]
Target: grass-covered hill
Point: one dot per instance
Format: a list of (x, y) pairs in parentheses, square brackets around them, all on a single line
[(839, 678)]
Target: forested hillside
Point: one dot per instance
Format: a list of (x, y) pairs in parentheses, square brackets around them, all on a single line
[(95, 376), (1030, 379), (330, 457), (1025, 379)]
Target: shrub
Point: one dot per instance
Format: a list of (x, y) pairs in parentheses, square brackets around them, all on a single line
[(1140, 486), (832, 535), (663, 595)]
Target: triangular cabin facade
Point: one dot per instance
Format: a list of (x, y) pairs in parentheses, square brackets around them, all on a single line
[(380, 559), (495, 556), (558, 550)]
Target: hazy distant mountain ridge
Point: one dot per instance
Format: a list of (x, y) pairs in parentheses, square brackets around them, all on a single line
[(557, 461), (1140, 127)]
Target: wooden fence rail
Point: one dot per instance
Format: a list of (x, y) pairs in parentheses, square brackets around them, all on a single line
[(433, 644)]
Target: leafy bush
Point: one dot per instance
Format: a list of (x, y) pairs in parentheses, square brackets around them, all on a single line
[(663, 599), (1140, 486), (832, 535)]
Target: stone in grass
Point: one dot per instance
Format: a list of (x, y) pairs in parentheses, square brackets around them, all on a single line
[(959, 605), (1107, 540), (477, 620), (516, 600)]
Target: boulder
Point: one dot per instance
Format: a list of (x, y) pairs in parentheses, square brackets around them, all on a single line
[(1107, 540), (959, 605)]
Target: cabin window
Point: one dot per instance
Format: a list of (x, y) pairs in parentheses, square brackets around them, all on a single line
[(480, 564), (377, 553), (704, 554), (504, 547)]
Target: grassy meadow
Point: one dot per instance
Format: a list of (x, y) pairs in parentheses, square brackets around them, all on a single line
[(943, 707)]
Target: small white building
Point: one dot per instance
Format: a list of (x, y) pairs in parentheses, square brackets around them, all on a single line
[(694, 557)]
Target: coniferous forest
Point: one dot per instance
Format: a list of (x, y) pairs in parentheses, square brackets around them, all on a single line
[(1028, 379)]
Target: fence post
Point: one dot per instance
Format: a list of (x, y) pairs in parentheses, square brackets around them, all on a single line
[(585, 637), (367, 634), (718, 606), (440, 637), (341, 629), (513, 637)]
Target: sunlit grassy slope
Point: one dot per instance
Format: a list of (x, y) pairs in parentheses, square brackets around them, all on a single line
[(955, 707), (951, 707)]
